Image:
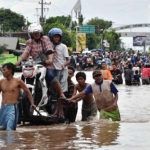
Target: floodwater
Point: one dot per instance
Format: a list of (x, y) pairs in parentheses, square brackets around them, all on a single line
[(133, 132)]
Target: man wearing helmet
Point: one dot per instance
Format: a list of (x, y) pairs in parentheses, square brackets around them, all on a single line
[(60, 57), (41, 44)]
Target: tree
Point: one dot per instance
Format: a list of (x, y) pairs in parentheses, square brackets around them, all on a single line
[(113, 39), (99, 24), (2, 48), (92, 41), (11, 21), (64, 20)]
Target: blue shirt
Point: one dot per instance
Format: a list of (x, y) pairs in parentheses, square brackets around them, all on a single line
[(89, 90)]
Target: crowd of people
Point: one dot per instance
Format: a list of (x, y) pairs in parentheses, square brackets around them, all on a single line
[(133, 67), (100, 96)]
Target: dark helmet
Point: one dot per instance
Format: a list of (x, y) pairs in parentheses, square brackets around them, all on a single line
[(54, 31)]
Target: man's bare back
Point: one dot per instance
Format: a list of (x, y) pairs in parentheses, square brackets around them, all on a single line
[(88, 98)]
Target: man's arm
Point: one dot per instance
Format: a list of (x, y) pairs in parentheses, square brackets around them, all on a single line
[(82, 94), (24, 87), (49, 59), (66, 63), (78, 96), (25, 53), (74, 90), (23, 57)]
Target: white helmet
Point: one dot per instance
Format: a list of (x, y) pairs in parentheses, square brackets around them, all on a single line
[(34, 27)]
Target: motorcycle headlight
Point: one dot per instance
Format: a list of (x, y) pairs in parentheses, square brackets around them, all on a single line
[(28, 72)]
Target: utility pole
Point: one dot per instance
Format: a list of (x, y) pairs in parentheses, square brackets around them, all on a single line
[(42, 18), (2, 28)]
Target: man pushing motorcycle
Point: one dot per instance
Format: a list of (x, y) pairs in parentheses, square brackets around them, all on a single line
[(38, 43)]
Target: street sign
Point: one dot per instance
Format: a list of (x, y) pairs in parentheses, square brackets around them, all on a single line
[(87, 29)]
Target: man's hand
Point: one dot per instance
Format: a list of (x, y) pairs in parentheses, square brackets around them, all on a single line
[(55, 52), (71, 101), (33, 106), (68, 99), (63, 67), (49, 62), (111, 107)]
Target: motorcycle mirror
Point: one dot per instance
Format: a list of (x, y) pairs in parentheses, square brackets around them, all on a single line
[(16, 53)]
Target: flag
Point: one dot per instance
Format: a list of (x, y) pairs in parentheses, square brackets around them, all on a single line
[(70, 25), (77, 7)]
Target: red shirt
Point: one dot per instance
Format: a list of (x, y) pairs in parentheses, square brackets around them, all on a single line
[(145, 72)]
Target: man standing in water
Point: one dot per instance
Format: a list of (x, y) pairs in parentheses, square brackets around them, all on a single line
[(89, 108), (10, 88), (106, 96)]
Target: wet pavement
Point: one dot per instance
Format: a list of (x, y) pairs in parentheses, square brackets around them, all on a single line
[(133, 132)]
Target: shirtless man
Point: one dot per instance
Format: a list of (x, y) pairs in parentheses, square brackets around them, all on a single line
[(89, 108), (10, 88)]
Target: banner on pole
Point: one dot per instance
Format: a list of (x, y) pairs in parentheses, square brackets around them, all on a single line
[(77, 7), (81, 42)]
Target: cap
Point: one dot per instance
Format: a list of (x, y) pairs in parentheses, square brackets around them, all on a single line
[(96, 72)]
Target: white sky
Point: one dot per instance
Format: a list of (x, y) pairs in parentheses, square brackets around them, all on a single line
[(121, 12)]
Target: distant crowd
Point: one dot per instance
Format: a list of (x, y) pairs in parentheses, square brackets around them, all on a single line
[(134, 65)]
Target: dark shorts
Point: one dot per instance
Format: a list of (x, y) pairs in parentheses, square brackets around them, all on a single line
[(89, 111), (128, 82), (70, 112)]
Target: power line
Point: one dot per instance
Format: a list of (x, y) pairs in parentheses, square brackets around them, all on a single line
[(58, 9)]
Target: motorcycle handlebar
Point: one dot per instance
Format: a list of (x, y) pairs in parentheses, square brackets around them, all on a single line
[(31, 63)]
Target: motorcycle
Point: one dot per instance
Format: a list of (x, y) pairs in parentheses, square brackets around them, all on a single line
[(45, 98)]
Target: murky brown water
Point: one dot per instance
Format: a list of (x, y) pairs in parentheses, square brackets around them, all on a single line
[(133, 132)]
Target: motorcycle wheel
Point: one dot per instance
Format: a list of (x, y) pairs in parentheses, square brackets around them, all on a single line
[(26, 106)]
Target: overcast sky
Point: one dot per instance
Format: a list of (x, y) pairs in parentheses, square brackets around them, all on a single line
[(121, 12)]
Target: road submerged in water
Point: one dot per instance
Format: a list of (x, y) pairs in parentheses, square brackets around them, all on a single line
[(133, 132)]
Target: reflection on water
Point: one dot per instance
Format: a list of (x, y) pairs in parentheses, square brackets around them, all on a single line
[(131, 133), (8, 139), (75, 136)]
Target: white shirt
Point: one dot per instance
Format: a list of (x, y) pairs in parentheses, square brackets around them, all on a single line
[(59, 58), (136, 68)]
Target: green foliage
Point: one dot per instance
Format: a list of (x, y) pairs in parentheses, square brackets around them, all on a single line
[(113, 39), (100, 24), (92, 41), (3, 48), (11, 21), (22, 40), (64, 20), (73, 39)]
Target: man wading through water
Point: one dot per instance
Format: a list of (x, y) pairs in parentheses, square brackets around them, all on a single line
[(10, 88), (106, 97)]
